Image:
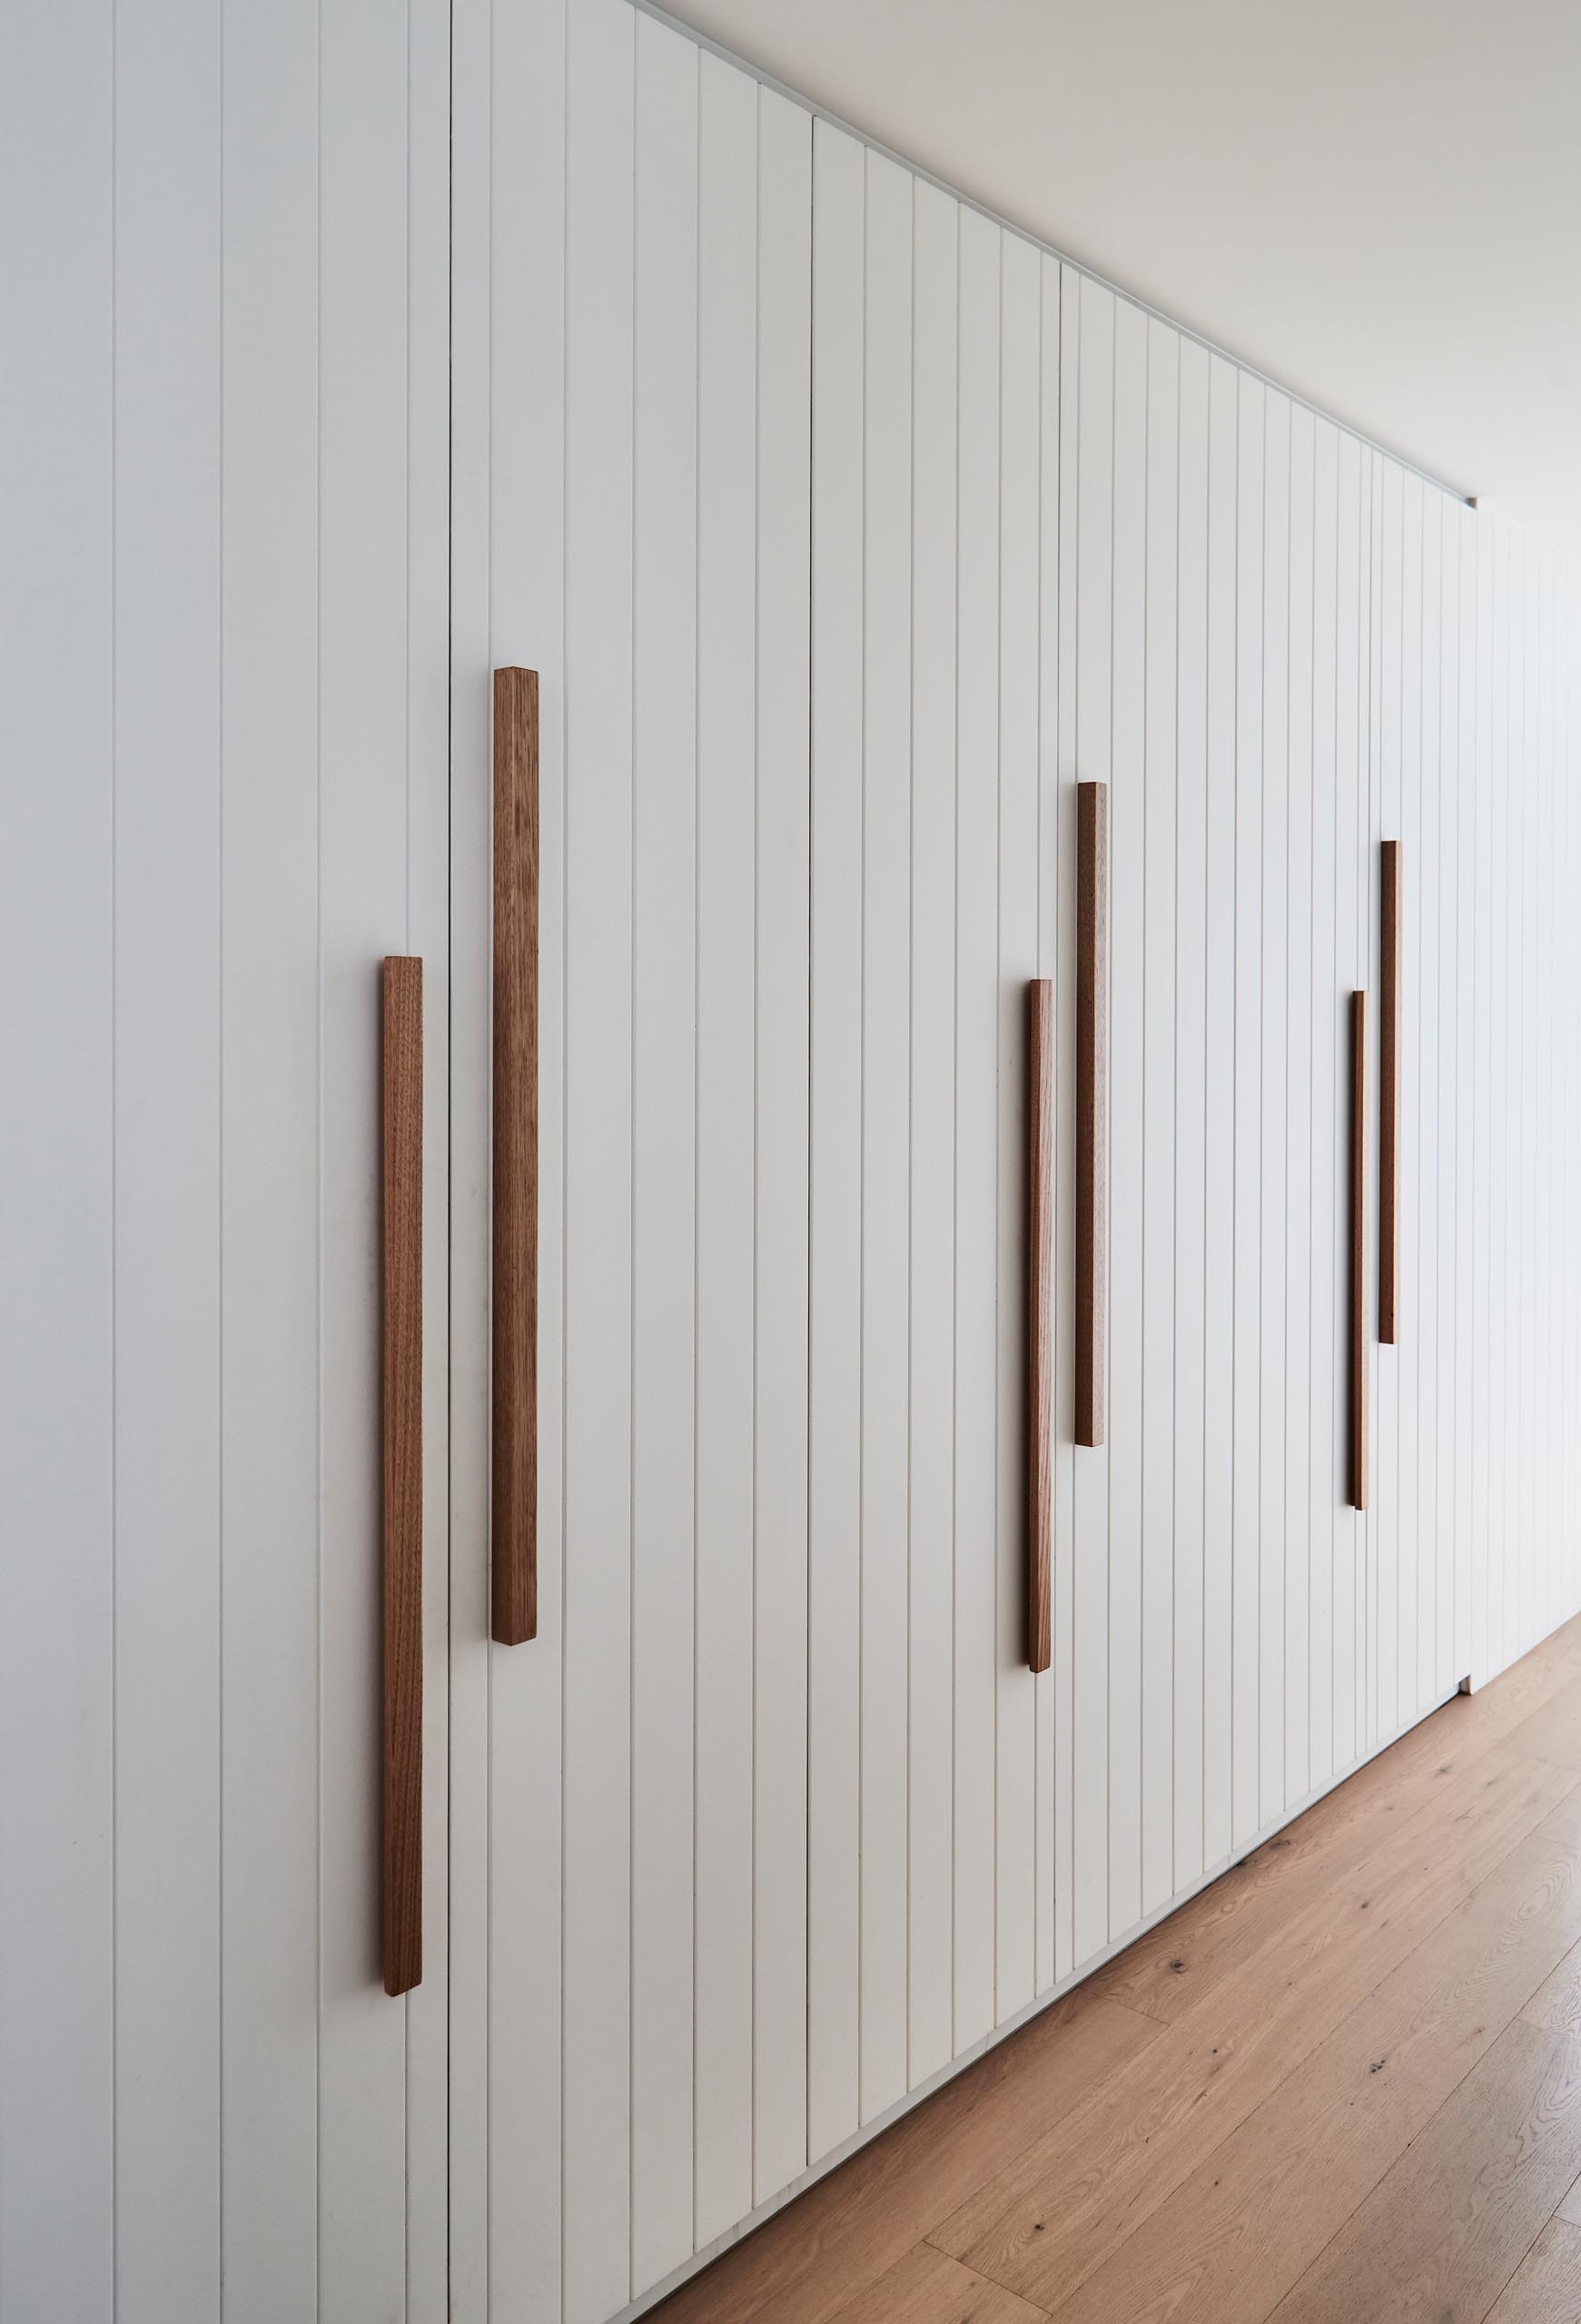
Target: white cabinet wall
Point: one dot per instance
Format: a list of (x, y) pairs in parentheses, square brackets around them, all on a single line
[(848, 529), (359, 351), (223, 797)]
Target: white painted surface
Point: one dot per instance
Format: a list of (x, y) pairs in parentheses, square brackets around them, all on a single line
[(1026, 534), (848, 530), (223, 799)]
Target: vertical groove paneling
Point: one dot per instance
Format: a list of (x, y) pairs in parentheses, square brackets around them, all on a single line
[(1310, 1400), (1275, 1093), (272, 1134), (167, 1156), (835, 1450), (977, 1028), (1063, 453), (600, 57), (59, 828), (1386, 800), (1464, 1135), (1228, 1660), (780, 2036), (1258, 921), (727, 1159), (1091, 517), (508, 486), (1429, 982), (363, 854), (930, 1802), (1289, 1388), (1191, 1175), (884, 1005), (1123, 1238), (1162, 743), (1329, 1225), (664, 1149), (1046, 1842), (1015, 1772)]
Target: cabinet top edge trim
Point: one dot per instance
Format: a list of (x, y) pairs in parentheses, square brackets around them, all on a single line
[(820, 112)]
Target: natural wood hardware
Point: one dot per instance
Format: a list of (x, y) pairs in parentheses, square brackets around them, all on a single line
[(515, 1317), (1091, 1104), (1388, 1122), (1359, 1384), (401, 1369), (1039, 1361)]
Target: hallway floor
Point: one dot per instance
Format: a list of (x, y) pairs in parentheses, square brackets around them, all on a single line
[(1342, 2084)]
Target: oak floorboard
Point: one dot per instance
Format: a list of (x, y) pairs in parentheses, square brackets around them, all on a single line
[(1557, 2003), (1075, 2198), (927, 2287), (1546, 2288), (1553, 1730), (1441, 2235), (849, 2227), (1238, 2235)]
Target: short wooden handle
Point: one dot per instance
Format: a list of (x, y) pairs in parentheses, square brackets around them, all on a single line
[(1039, 1361), (1358, 1270), (1091, 1104), (1388, 1117), (515, 1289), (401, 1407)]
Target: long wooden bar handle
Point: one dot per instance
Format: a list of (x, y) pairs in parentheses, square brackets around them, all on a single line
[(1358, 1380), (1040, 1353), (514, 1293), (401, 1369), (1389, 1125), (1091, 1104)]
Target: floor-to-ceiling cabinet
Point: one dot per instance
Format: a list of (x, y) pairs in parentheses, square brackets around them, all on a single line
[(849, 529), (357, 352), (223, 670)]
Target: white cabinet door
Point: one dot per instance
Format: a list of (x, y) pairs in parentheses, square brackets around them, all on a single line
[(629, 2070), (848, 531), (932, 901), (224, 432)]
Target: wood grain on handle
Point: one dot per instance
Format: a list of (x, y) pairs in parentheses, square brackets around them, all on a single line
[(1358, 1270), (1388, 1120), (1040, 1321), (1091, 1104), (514, 1292), (401, 1408)]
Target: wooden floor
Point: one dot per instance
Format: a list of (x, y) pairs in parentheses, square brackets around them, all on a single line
[(1343, 2084)]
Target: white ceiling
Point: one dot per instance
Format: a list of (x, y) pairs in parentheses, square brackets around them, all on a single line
[(1377, 203)]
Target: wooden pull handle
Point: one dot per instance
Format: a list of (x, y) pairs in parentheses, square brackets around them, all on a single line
[(1040, 1360), (401, 1408), (1359, 1397), (1388, 1125), (515, 1379), (1092, 1103)]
